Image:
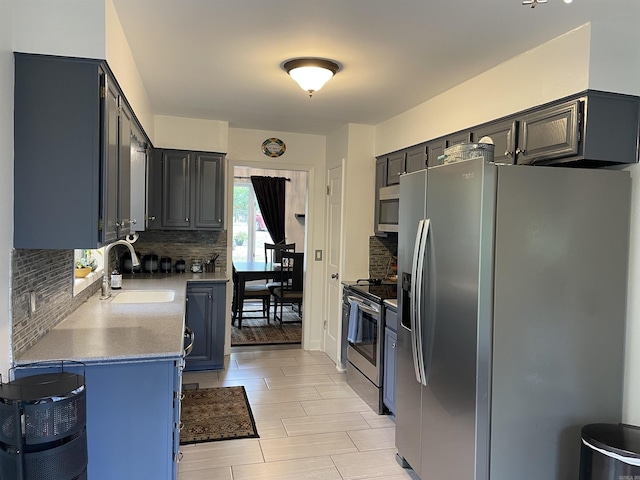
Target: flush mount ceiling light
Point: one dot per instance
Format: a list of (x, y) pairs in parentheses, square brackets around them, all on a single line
[(533, 3), (311, 73)]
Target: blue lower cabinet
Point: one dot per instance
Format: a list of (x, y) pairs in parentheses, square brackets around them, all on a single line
[(389, 384), (389, 368), (131, 418), (205, 314)]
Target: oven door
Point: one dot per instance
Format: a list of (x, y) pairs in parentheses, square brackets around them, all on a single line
[(364, 338)]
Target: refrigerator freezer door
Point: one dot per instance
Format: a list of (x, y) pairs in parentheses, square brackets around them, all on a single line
[(558, 333), (454, 207), (413, 191)]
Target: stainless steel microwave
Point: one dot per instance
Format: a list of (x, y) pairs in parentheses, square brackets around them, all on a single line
[(387, 211)]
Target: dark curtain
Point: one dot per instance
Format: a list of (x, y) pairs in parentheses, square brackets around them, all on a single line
[(270, 194)]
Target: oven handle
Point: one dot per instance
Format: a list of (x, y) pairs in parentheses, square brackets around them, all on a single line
[(364, 306)]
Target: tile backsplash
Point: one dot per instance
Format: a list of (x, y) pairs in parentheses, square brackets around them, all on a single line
[(49, 275), (184, 245), (381, 251)]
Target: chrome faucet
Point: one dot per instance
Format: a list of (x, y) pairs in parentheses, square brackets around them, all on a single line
[(106, 287)]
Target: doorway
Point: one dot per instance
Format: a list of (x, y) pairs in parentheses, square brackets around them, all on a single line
[(248, 237)]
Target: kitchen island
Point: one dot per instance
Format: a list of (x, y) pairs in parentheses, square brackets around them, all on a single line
[(131, 355)]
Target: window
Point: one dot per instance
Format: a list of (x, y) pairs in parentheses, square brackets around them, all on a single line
[(249, 231), (88, 257)]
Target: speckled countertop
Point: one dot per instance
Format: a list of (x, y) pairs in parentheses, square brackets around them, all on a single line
[(104, 332), (391, 302)]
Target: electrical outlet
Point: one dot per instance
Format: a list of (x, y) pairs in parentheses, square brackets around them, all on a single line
[(32, 301), (318, 255)]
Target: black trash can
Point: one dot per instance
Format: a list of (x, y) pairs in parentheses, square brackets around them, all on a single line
[(610, 452)]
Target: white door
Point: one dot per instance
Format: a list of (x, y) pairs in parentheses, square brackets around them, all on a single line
[(333, 300)]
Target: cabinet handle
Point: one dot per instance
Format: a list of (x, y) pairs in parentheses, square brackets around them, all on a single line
[(393, 345), (117, 224), (186, 219), (181, 426), (152, 217), (210, 296), (507, 153), (334, 276), (134, 221), (520, 152)]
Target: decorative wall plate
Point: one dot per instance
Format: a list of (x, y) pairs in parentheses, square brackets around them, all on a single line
[(273, 147)]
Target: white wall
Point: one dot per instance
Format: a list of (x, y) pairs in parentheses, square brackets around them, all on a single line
[(555, 69), (122, 63), (73, 28), (6, 182), (191, 134), (303, 152)]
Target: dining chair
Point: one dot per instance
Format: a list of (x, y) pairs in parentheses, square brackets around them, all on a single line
[(292, 284), (273, 251), (252, 291)]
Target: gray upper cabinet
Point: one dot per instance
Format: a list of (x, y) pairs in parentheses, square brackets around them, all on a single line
[(176, 189), (549, 133), (503, 135), (154, 191), (435, 149), (416, 158), (457, 139), (209, 199), (71, 183), (186, 191), (395, 166)]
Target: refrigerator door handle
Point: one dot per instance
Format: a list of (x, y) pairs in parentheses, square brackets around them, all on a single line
[(420, 300), (413, 304), (429, 310)]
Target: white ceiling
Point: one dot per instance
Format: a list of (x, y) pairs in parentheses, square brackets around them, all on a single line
[(221, 59)]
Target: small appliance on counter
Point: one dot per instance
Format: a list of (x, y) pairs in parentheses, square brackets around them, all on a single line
[(165, 265), (126, 266), (150, 263), (180, 266)]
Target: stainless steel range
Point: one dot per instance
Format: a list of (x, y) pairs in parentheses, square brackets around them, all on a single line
[(363, 323)]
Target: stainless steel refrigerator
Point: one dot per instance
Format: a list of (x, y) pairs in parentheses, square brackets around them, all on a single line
[(511, 299)]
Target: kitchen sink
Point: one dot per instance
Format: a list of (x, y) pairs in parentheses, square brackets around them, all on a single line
[(144, 296)]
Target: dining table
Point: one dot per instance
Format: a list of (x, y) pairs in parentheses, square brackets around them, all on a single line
[(244, 272)]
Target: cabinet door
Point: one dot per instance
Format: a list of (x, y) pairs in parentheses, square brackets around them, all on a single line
[(139, 169), (124, 171), (198, 318), (154, 191), (110, 166), (550, 133), (176, 192), (503, 135), (464, 137), (395, 166), (381, 181), (389, 382), (435, 149), (209, 191), (416, 158)]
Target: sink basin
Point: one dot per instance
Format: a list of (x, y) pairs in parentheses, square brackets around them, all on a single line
[(144, 296)]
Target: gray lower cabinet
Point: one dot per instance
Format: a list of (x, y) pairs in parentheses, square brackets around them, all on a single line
[(389, 372), (72, 135), (133, 413), (186, 190), (205, 315)]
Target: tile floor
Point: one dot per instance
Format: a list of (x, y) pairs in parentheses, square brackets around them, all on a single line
[(312, 425)]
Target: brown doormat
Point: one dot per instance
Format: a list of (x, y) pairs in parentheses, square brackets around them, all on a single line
[(210, 414), (256, 331)]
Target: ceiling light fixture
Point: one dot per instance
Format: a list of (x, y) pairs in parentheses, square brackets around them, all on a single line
[(311, 73), (533, 3)]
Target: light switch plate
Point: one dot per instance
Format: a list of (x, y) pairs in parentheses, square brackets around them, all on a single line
[(318, 255)]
